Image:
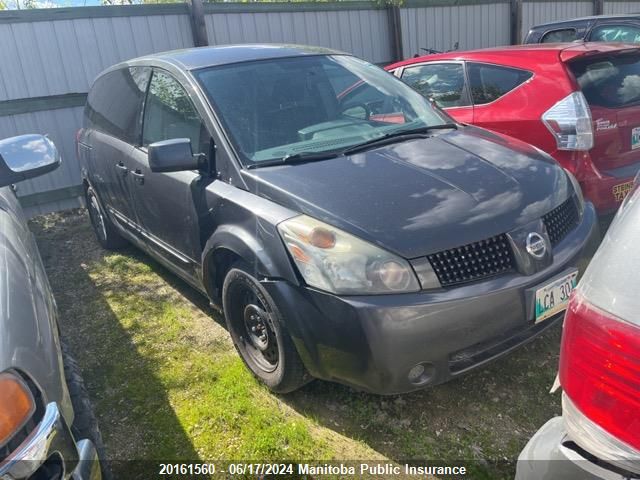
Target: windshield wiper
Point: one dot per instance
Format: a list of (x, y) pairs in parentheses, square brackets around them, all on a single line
[(398, 135), (303, 157), (296, 158)]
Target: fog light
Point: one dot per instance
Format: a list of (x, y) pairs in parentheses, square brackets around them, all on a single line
[(421, 374)]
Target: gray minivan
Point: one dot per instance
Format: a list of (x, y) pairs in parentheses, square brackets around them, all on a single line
[(350, 229)]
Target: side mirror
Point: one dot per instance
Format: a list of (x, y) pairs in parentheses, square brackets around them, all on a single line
[(26, 156), (174, 155)]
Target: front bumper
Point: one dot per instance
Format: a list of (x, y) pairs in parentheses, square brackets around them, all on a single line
[(373, 342), (52, 441), (550, 455)]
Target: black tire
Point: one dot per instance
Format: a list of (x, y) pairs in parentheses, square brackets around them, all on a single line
[(85, 424), (106, 232), (264, 344)]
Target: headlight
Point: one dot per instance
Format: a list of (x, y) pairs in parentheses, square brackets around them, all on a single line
[(335, 261), (16, 405), (577, 189)]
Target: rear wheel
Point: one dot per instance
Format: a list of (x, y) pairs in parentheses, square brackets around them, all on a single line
[(255, 325), (104, 229)]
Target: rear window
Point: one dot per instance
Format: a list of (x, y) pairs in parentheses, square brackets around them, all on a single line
[(490, 82), (610, 82), (559, 36), (611, 280)]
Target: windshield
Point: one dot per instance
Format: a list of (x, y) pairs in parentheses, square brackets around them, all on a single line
[(276, 108)]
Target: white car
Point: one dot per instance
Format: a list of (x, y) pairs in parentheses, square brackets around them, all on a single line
[(598, 435)]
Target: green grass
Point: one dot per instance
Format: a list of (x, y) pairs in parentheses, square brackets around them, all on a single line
[(167, 383)]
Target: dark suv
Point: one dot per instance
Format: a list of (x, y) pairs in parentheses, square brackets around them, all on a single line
[(351, 230), (600, 28)]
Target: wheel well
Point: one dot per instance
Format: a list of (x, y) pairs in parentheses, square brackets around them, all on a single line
[(219, 264)]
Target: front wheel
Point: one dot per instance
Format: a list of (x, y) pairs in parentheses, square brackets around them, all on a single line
[(255, 325)]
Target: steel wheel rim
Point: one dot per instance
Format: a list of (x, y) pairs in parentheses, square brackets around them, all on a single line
[(258, 334)]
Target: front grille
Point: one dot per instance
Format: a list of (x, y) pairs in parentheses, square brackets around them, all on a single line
[(561, 220), (474, 261)]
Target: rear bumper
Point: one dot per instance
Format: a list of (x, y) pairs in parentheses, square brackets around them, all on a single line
[(52, 440), (607, 189), (373, 342), (549, 456)]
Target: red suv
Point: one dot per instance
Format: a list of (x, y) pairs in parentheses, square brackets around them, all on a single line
[(578, 102)]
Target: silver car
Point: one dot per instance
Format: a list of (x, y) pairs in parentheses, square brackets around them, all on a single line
[(47, 426), (598, 435)]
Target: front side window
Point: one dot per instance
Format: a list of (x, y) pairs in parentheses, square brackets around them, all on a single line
[(169, 113), (616, 33), (609, 82), (560, 36), (490, 82), (279, 107), (442, 82), (114, 102)]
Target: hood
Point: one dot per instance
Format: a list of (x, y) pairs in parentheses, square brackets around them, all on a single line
[(423, 195)]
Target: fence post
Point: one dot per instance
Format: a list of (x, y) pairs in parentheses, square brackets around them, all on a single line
[(395, 30), (598, 7), (198, 27), (516, 21)]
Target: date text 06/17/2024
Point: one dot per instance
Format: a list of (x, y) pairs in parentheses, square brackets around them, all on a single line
[(386, 469)]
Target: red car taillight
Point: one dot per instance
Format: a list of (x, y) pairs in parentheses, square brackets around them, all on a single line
[(600, 369), (569, 121)]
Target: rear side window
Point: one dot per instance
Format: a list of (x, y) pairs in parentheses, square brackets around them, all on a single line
[(616, 33), (169, 113), (115, 100), (559, 36), (490, 82), (609, 82), (442, 82)]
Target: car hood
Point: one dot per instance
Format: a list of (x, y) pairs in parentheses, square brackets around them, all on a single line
[(423, 195)]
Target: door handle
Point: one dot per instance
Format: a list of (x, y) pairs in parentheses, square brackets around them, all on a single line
[(138, 177), (122, 167)]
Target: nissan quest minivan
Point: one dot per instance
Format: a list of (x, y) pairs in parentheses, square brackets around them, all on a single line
[(350, 230)]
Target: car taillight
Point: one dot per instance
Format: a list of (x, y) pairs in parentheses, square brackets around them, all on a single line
[(569, 121), (600, 376)]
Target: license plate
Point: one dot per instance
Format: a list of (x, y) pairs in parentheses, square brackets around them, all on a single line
[(621, 190), (635, 138), (553, 297)]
